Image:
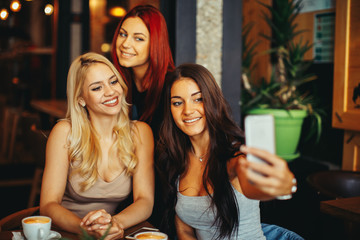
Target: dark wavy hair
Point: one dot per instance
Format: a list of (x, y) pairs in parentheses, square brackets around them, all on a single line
[(174, 146), (160, 57)]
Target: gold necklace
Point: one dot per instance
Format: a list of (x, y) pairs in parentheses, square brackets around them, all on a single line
[(201, 158)]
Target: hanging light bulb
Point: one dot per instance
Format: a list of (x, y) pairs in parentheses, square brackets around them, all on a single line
[(49, 9), (4, 14), (15, 6)]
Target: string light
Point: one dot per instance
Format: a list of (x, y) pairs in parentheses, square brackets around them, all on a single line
[(49, 9), (15, 6), (4, 14)]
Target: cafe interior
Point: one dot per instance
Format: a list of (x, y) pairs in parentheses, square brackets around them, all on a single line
[(40, 38)]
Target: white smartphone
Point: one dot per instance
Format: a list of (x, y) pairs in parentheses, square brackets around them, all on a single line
[(260, 133)]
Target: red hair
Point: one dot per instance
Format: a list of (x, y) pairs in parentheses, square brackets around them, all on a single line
[(160, 57)]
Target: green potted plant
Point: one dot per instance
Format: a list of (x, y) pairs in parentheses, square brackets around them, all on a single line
[(281, 95)]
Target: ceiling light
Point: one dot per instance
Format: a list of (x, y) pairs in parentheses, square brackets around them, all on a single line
[(49, 9), (15, 6), (4, 14)]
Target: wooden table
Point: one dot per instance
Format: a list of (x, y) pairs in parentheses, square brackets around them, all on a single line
[(54, 107), (7, 235), (344, 208)]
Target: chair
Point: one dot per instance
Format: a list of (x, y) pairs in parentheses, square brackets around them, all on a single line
[(331, 185), (22, 177), (335, 183), (13, 221), (10, 125), (39, 139), (15, 121)]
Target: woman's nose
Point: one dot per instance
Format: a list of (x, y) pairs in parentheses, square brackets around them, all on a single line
[(126, 42), (109, 90), (188, 108)]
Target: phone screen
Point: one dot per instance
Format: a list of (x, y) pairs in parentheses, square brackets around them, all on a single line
[(260, 133)]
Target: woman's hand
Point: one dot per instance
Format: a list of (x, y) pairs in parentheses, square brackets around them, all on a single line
[(97, 223), (274, 179)]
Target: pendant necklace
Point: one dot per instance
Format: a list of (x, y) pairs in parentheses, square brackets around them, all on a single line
[(201, 158)]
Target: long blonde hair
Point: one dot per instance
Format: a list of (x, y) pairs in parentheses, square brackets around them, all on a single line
[(84, 148)]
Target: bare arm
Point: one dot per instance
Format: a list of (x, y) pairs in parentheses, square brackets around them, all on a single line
[(275, 178), (143, 179), (54, 180), (184, 231), (98, 221)]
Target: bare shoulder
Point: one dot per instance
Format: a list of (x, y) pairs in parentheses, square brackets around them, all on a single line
[(63, 127), (232, 164), (141, 130)]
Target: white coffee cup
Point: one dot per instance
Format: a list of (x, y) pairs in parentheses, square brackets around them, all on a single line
[(36, 227), (151, 236)]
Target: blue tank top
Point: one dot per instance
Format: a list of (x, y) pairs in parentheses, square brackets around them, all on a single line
[(197, 213)]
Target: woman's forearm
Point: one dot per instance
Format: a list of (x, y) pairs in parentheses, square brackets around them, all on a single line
[(61, 217), (137, 212)]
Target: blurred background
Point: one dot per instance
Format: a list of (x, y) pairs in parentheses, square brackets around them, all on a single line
[(40, 38)]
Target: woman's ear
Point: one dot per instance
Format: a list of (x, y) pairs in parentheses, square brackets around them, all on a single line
[(81, 101)]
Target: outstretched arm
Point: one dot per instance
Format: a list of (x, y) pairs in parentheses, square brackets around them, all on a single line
[(264, 181)]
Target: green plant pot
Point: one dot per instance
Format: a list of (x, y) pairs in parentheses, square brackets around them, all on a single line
[(288, 124)]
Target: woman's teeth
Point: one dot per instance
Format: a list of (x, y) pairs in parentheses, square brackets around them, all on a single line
[(111, 101), (192, 120), (128, 54)]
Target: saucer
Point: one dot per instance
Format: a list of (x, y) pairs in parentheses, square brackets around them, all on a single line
[(52, 236)]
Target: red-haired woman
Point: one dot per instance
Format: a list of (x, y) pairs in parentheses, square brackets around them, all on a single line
[(141, 52)]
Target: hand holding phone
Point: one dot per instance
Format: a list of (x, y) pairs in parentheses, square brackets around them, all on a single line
[(260, 133)]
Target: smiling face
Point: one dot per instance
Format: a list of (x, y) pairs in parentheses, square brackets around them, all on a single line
[(101, 91), (187, 107), (133, 44)]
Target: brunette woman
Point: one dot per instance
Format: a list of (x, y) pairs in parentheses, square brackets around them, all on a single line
[(211, 189)]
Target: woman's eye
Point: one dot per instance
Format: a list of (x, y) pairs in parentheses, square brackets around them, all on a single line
[(139, 39), (96, 89), (199, 100), (176, 103), (114, 82), (122, 34)]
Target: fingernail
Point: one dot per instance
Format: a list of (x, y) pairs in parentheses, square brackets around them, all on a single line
[(108, 220), (242, 148)]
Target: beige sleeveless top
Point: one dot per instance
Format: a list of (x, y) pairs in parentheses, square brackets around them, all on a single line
[(102, 195)]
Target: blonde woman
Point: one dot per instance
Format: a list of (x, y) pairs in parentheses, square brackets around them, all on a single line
[(96, 156)]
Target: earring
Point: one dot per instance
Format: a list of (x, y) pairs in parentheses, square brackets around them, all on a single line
[(82, 103)]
